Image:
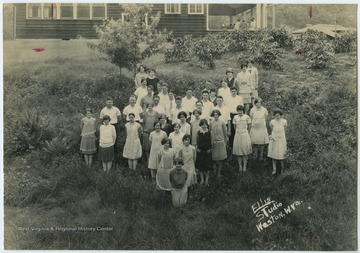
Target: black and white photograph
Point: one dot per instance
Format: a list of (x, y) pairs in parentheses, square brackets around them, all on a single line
[(180, 126)]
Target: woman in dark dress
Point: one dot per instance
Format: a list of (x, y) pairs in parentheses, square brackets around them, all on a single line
[(167, 128), (203, 148), (153, 80)]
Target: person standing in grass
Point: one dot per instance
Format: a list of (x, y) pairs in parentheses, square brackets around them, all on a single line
[(188, 154), (242, 142), (149, 118), (141, 74), (195, 126), (88, 138), (166, 127), (133, 108), (176, 139), (155, 139), (259, 135), (254, 77), (179, 189), (224, 91), (233, 102), (203, 148), (213, 96), (106, 143), (153, 81), (141, 91), (166, 158), (243, 85), (184, 126), (218, 133), (148, 98), (189, 101), (277, 146), (132, 149), (115, 116), (230, 79)]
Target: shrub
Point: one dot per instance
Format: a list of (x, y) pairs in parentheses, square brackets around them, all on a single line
[(181, 50), (345, 42), (318, 51), (209, 48), (283, 36)]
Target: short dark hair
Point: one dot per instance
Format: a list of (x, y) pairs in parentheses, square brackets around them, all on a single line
[(220, 97), (215, 111), (186, 136), (277, 111), (233, 88), (165, 140), (243, 66), (106, 117), (140, 67), (203, 121), (198, 111), (156, 96), (150, 87), (257, 100), (156, 122), (205, 91), (178, 98), (199, 101), (131, 113), (143, 79), (181, 113), (176, 124), (240, 108), (213, 90), (164, 84)]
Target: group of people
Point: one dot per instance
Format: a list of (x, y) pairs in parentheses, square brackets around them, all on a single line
[(181, 137)]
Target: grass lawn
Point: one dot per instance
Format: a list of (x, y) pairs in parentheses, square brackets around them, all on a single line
[(49, 186)]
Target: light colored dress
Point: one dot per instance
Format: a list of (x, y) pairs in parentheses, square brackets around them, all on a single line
[(242, 142), (155, 139), (88, 139), (277, 146), (132, 148), (185, 128), (258, 133), (188, 153), (165, 167), (176, 142), (218, 134)]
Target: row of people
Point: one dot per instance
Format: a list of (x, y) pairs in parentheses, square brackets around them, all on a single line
[(249, 130), (246, 82)]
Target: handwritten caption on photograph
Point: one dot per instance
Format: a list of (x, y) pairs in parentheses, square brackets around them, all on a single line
[(268, 211)]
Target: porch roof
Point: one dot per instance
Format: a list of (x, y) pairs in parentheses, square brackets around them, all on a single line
[(228, 9)]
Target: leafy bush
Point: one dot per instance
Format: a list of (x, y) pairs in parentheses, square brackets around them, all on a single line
[(181, 50), (209, 48), (283, 36), (318, 51), (319, 55), (345, 42)]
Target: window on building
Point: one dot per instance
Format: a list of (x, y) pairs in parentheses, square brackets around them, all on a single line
[(34, 10), (195, 9), (83, 11), (66, 11), (172, 9), (49, 11), (98, 11)]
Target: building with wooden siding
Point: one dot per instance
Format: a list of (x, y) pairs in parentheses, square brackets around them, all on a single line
[(71, 20)]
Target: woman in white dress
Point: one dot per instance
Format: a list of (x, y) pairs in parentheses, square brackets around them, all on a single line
[(277, 146), (242, 143), (132, 149), (259, 135)]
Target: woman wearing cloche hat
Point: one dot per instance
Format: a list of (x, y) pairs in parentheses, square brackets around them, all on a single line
[(230, 77)]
